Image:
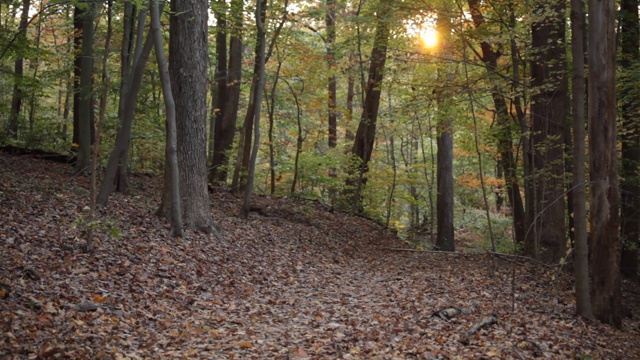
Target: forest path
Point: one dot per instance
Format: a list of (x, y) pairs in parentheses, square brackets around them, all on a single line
[(293, 281)]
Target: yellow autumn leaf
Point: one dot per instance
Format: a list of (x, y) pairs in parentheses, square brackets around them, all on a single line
[(493, 352), (245, 345)]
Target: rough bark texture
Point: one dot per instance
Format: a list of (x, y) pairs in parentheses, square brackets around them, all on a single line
[(604, 198), (630, 138), (548, 120), (188, 59), (225, 126)]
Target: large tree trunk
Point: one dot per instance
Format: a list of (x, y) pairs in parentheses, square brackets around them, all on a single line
[(188, 65), (225, 126), (366, 133), (604, 198), (18, 92), (548, 120), (581, 266), (630, 138)]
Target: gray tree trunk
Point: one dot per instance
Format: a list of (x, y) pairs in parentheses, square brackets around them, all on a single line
[(116, 172), (188, 60), (604, 197), (172, 158), (260, 60)]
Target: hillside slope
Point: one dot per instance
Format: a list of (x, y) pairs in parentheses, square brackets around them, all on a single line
[(293, 281)]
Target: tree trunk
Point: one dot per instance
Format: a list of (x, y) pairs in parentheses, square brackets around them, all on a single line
[(630, 138), (505, 138), (18, 92), (444, 142), (581, 266), (272, 147), (85, 106), (106, 81), (604, 198), (116, 172), (444, 179), (300, 138), (548, 114), (330, 22), (225, 128), (220, 100), (188, 68), (366, 133), (261, 9), (172, 158)]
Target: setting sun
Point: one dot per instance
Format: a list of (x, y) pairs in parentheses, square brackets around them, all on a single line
[(429, 36)]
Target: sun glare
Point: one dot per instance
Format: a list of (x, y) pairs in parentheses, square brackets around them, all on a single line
[(429, 36)]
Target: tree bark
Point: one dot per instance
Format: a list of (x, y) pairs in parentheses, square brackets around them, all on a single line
[(188, 62), (225, 127), (548, 120), (330, 22), (444, 142), (604, 198), (116, 172), (261, 9), (172, 158), (366, 133), (272, 108), (85, 106), (630, 138), (581, 266), (220, 134)]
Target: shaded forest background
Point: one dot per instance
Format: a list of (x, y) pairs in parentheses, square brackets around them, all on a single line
[(342, 102)]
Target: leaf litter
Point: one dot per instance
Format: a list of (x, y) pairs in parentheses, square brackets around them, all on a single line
[(293, 281)]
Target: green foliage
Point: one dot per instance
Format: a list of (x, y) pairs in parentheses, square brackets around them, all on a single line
[(104, 225)]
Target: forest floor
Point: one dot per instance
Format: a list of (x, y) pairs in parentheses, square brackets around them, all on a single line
[(294, 281)]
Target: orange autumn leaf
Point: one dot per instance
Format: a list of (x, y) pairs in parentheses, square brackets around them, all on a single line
[(299, 352), (99, 299)]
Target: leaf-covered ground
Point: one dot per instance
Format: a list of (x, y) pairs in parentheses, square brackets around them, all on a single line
[(294, 281)]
